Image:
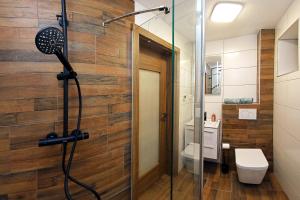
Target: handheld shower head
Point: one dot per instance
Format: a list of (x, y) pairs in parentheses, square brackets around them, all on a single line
[(50, 40)]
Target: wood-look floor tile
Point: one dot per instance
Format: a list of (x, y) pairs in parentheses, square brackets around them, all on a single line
[(212, 194), (216, 179), (218, 186)]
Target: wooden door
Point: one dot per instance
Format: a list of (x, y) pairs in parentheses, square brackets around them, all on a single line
[(152, 116)]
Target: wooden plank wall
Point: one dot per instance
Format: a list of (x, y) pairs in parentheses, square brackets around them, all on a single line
[(31, 102), (258, 133)]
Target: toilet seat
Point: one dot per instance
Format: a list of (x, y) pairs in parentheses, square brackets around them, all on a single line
[(192, 151), (253, 159)]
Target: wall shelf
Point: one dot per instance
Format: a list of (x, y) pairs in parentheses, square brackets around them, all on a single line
[(287, 51)]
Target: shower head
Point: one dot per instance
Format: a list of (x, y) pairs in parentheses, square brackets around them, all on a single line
[(49, 40)]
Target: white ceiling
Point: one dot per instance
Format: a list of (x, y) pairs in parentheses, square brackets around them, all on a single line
[(256, 14)]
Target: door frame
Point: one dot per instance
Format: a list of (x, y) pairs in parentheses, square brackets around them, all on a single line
[(137, 33)]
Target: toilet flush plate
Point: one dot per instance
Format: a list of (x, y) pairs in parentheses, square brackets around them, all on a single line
[(248, 114)]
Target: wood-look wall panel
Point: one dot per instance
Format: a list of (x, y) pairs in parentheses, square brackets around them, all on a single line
[(29, 67), (117, 108), (114, 39), (255, 133), (10, 93), (28, 195), (4, 164), (102, 70), (97, 79), (4, 138), (99, 100), (26, 136), (7, 119), (27, 80), (31, 100), (19, 22), (25, 55), (18, 182)]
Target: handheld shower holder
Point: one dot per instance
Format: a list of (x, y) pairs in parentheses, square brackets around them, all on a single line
[(59, 18), (66, 75)]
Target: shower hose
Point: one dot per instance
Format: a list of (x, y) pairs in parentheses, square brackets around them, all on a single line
[(66, 169)]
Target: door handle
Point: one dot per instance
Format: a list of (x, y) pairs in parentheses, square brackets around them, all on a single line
[(163, 116)]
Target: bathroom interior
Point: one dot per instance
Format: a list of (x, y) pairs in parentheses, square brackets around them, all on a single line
[(149, 99)]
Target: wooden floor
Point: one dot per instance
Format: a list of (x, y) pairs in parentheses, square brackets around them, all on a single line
[(218, 186), (183, 188)]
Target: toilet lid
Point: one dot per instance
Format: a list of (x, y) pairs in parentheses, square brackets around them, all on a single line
[(251, 158), (192, 151)]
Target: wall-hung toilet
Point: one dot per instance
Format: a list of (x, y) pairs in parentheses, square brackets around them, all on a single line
[(251, 165), (191, 158), (191, 151)]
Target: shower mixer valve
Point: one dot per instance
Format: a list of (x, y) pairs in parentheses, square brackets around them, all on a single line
[(53, 138)]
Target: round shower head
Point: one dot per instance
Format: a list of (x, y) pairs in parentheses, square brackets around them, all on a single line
[(49, 40)]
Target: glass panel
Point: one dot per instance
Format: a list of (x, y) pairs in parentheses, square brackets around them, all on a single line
[(188, 30), (181, 178), (148, 121)]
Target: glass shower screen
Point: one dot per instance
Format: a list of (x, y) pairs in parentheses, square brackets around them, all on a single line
[(168, 101), (188, 32)]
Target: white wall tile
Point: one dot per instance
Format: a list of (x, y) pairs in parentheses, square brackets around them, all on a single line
[(185, 78), (215, 98), (246, 91), (247, 42), (287, 118), (290, 150), (213, 108), (240, 71), (240, 59), (280, 113), (214, 47), (281, 93), (292, 122), (293, 93), (240, 76)]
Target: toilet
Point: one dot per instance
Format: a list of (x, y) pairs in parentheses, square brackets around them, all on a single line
[(251, 165), (190, 154)]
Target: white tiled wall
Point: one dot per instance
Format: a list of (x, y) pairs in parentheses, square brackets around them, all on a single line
[(160, 28), (239, 56), (240, 59), (287, 118), (242, 76)]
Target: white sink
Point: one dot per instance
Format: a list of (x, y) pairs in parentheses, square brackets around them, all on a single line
[(207, 124), (210, 124)]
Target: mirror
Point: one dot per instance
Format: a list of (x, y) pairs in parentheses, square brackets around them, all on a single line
[(213, 75)]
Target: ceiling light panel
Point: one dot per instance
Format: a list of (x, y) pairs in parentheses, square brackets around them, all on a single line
[(226, 12)]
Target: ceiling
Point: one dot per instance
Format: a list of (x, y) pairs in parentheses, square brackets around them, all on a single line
[(256, 14)]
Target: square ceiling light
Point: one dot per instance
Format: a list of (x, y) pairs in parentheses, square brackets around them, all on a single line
[(225, 12)]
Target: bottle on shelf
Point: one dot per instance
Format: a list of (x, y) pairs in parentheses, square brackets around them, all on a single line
[(213, 117)]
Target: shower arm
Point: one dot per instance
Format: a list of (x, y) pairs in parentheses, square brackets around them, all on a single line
[(160, 8)]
